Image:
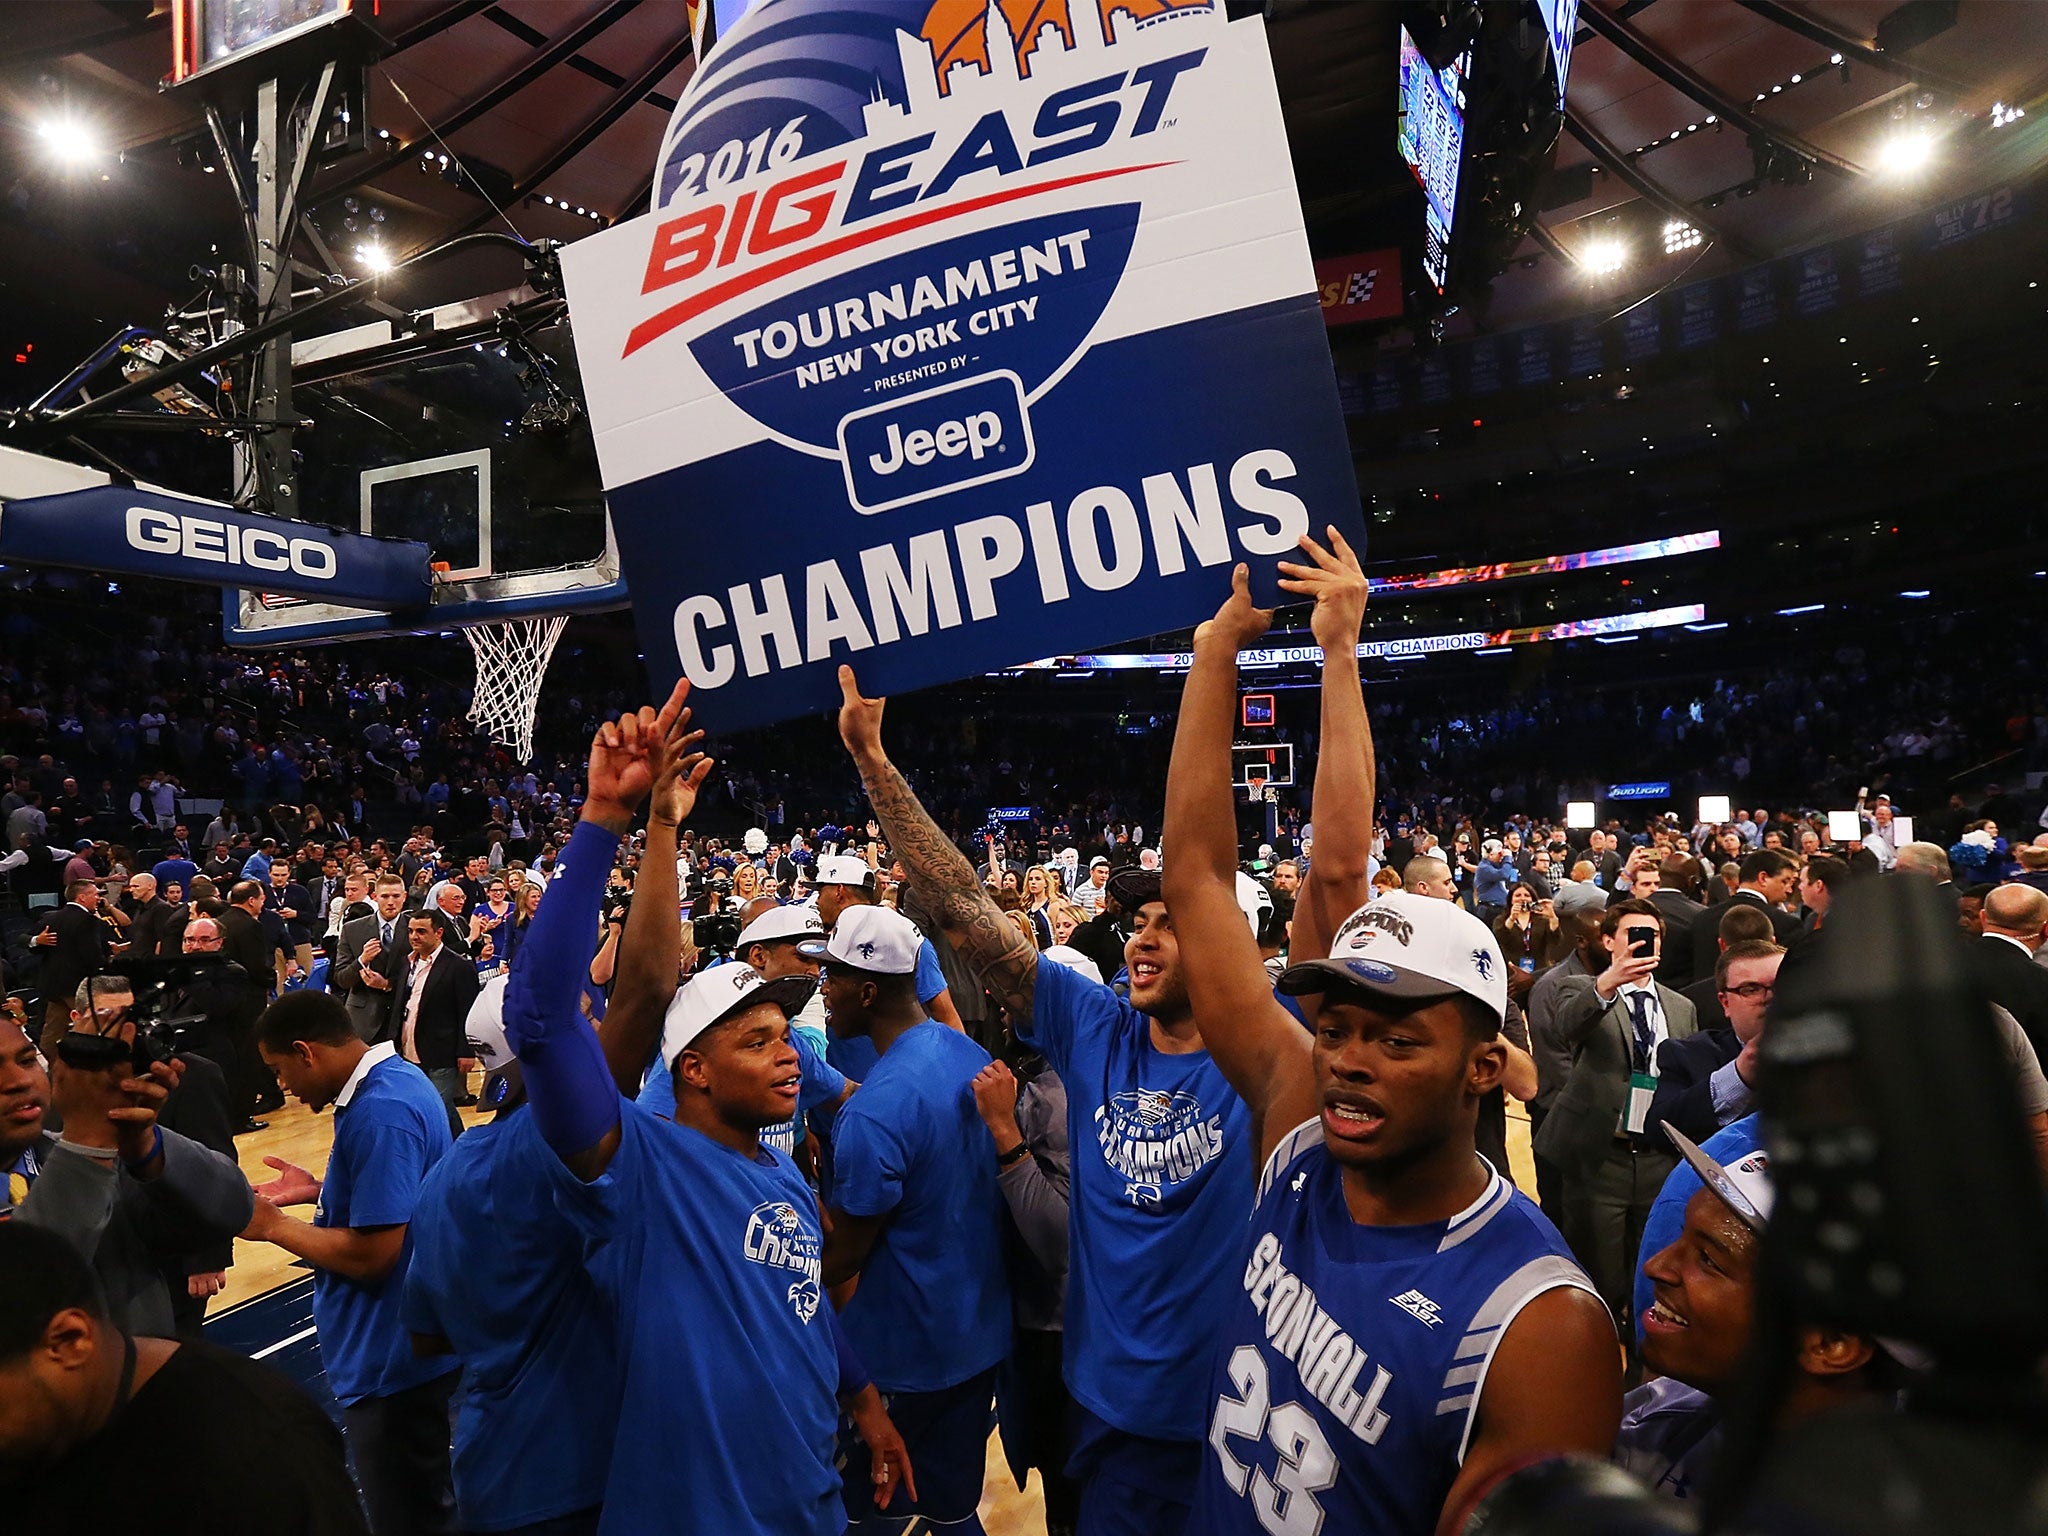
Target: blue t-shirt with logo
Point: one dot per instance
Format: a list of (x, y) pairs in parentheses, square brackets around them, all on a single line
[(711, 1262), (498, 1271), (387, 1138), (933, 1306), (854, 1055), (1161, 1190), (821, 1084)]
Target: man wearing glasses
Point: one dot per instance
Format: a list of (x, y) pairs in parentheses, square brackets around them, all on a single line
[(1707, 1080)]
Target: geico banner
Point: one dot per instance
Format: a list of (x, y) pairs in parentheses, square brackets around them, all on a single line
[(141, 533), (954, 331)]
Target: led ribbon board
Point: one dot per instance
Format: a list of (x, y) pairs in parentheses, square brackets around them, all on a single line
[(950, 322)]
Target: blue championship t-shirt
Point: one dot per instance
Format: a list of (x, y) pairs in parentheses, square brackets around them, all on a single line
[(1350, 1364), (498, 1271), (1161, 1189), (933, 1305), (821, 1084), (389, 1135), (711, 1261), (854, 1055)]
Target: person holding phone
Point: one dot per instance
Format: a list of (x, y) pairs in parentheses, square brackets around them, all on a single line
[(1597, 1133)]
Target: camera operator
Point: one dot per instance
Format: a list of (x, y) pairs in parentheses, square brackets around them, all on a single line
[(1697, 1334), (226, 1000), (98, 1425), (131, 1195)]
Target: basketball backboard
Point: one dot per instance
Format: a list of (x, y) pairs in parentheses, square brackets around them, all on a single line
[(1270, 765), (449, 449)]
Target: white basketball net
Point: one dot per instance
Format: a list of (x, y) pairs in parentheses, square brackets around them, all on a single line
[(511, 659)]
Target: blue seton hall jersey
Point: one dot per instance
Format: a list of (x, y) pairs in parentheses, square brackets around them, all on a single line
[(820, 1084), (1161, 1189), (498, 1271), (711, 1263), (390, 1129), (1348, 1371)]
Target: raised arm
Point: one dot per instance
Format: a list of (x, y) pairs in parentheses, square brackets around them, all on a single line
[(650, 954), (1338, 883), (1002, 959), (1258, 1044), (575, 1101)]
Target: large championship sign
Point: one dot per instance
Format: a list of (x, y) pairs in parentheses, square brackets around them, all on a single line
[(961, 331)]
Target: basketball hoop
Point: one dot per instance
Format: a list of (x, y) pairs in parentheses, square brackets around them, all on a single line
[(1255, 777), (511, 658)]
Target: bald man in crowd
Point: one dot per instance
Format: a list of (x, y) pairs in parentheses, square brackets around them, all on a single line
[(2015, 918)]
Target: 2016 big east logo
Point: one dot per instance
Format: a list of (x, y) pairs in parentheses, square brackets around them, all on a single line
[(952, 317)]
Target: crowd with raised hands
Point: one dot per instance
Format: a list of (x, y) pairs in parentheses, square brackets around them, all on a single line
[(1188, 1170)]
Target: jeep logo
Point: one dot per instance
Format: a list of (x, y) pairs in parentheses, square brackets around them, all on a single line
[(974, 435), (945, 439)]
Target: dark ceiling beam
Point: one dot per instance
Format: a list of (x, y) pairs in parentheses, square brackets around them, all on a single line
[(440, 22), (21, 58), (1551, 245), (1682, 78), (638, 203), (1853, 50), (506, 87), (1618, 165), (627, 97)]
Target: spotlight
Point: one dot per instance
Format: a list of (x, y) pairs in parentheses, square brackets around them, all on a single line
[(374, 257), (68, 140), (1604, 256), (1680, 236), (1905, 153)]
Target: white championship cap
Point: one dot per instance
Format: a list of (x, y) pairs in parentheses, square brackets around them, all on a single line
[(485, 1026), (1253, 900), (1744, 1186), (1412, 948), (780, 923), (844, 869), (869, 939), (713, 996)]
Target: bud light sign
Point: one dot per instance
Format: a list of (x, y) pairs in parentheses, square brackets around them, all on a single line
[(951, 319)]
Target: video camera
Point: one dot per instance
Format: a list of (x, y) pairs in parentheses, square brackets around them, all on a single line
[(717, 934), (162, 1022), (1908, 1208)]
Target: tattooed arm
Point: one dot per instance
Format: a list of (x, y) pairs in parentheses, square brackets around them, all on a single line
[(1002, 959)]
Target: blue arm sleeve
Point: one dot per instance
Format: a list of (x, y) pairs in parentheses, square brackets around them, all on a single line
[(853, 1376), (575, 1101)]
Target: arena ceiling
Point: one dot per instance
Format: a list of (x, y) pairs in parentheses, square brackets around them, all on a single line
[(1762, 124)]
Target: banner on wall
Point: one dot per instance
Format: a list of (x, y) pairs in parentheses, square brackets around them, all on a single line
[(949, 324), (1362, 287)]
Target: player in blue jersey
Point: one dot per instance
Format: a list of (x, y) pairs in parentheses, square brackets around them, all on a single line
[(705, 1245), (916, 1214), (494, 1282), (1407, 1326)]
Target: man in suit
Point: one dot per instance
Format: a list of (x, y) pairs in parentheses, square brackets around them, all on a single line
[(370, 961), (1678, 878), (2015, 917), (74, 946), (1768, 878), (1579, 906), (228, 1000), (431, 1008), (149, 916), (1736, 922), (1613, 1024), (1707, 1080), (292, 904), (246, 939)]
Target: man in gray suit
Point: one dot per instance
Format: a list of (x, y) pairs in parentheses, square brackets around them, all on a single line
[(1613, 1025), (369, 959)]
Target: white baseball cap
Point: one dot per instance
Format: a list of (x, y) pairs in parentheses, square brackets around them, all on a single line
[(869, 939), (1412, 948), (844, 869), (1744, 1186), (1253, 900), (711, 997), (485, 1026), (781, 923)]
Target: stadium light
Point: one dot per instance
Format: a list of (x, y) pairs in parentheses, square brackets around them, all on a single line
[(69, 140), (1905, 152), (1605, 256), (1680, 236), (374, 258)]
